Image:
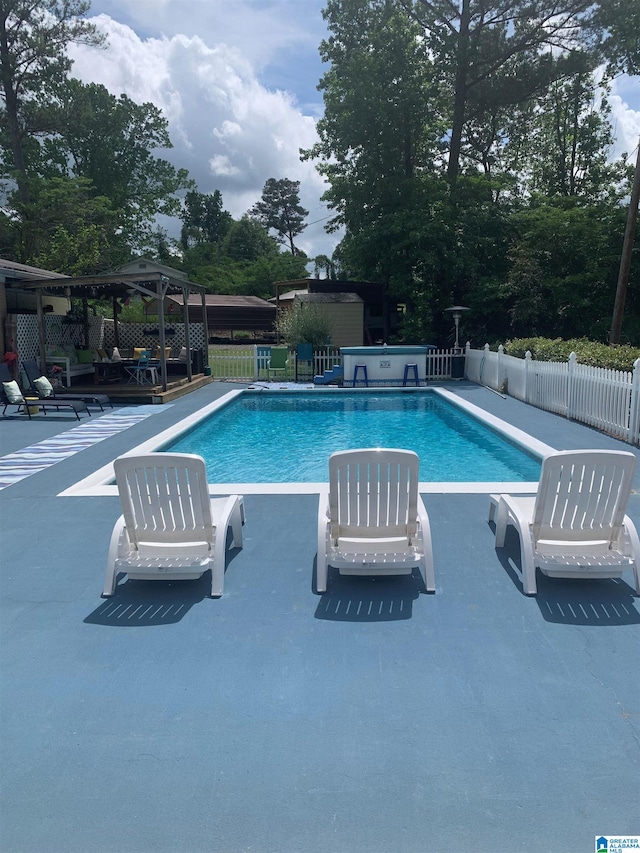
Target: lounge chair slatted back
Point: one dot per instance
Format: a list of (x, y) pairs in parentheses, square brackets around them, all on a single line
[(379, 495), (170, 529), (371, 519), (167, 503), (582, 497), (575, 525)]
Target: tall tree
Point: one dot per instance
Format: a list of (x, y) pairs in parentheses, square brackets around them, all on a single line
[(248, 262), (279, 209), (112, 141), (248, 240), (497, 53), (78, 232), (618, 23), (34, 35), (564, 262), (203, 219), (325, 264), (379, 142), (568, 128)]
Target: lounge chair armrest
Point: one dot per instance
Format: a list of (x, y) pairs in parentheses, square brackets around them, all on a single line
[(424, 531), (322, 556)]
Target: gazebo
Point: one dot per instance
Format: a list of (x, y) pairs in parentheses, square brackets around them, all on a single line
[(117, 286)]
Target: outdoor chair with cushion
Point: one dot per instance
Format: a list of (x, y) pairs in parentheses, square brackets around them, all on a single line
[(372, 520), (42, 388), (170, 528), (575, 525), (11, 395)]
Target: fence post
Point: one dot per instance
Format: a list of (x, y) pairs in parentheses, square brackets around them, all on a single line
[(256, 367), (527, 365), (634, 403), (573, 358), (483, 361), (501, 379)]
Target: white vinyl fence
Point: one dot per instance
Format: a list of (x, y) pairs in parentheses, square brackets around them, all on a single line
[(608, 400), (249, 364), (439, 363)]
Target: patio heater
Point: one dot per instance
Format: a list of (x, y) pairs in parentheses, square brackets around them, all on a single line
[(457, 360)]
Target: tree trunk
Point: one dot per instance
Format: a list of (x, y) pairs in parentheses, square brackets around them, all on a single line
[(460, 101), (625, 261), (11, 108)]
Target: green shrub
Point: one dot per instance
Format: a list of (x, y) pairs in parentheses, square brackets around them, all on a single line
[(306, 324), (588, 352)]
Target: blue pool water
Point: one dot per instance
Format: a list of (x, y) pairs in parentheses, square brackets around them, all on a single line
[(282, 438)]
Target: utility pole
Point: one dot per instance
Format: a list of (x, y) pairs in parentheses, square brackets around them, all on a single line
[(625, 260)]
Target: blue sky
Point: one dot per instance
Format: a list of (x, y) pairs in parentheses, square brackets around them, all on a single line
[(237, 82)]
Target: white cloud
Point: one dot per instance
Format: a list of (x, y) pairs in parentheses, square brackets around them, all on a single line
[(262, 30), (228, 130), (625, 119)]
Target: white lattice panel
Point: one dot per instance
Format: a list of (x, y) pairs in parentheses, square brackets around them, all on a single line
[(132, 335), (58, 331)]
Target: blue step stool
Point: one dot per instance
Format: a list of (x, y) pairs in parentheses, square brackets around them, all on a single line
[(363, 368), (413, 368)]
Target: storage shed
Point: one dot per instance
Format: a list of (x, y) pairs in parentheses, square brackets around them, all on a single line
[(345, 312)]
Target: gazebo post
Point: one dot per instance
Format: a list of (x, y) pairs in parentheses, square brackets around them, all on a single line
[(187, 335), (85, 320), (162, 292), (205, 327), (42, 335), (116, 307)]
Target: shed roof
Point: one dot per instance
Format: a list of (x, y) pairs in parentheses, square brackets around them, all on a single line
[(222, 300), (289, 296), (328, 298)]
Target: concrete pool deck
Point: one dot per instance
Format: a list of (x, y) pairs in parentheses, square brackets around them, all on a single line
[(372, 718)]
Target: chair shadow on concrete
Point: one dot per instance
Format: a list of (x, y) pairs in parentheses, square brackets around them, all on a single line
[(140, 603), (352, 598), (574, 601)]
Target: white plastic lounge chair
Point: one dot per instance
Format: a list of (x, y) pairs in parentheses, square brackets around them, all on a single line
[(575, 525), (372, 520), (170, 529)]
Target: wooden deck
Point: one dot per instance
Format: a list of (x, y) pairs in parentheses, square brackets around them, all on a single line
[(130, 392)]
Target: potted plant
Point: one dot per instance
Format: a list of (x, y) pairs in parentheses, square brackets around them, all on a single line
[(55, 376)]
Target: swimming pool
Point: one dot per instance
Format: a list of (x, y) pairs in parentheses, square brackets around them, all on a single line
[(270, 437)]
